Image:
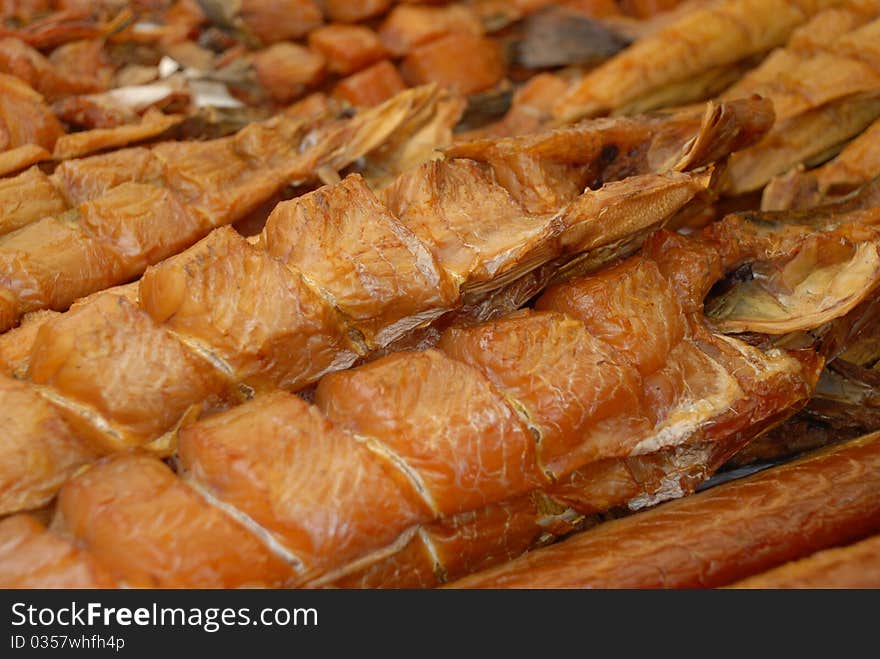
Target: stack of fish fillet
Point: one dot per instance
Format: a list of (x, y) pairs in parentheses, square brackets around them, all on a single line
[(439, 362)]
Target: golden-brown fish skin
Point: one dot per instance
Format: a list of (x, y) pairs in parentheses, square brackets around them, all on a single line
[(716, 537), (853, 167), (630, 307), (24, 117), (347, 243), (822, 98), (131, 209), (458, 191), (26, 198), (718, 35), (40, 451), (853, 566), (139, 521), (16, 345), (295, 448), (124, 219), (458, 473), (51, 262), (277, 331), (565, 380), (84, 179), (33, 557), (118, 378), (463, 447), (294, 316)]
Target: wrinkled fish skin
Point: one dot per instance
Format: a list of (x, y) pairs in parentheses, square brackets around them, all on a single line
[(823, 96), (335, 275), (707, 38), (132, 208), (857, 164), (526, 447)]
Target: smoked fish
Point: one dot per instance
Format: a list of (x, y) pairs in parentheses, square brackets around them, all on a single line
[(339, 274)]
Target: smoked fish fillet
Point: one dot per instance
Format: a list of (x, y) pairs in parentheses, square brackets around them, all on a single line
[(823, 94), (53, 563), (338, 274), (857, 164), (395, 478), (665, 67), (100, 221), (654, 470), (24, 117), (718, 536)]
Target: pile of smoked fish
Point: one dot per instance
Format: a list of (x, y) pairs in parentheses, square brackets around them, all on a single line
[(364, 293)]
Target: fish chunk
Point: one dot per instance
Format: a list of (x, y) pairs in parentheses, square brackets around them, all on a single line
[(52, 562)]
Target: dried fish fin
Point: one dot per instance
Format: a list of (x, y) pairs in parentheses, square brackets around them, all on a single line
[(726, 128), (845, 404), (372, 127), (823, 282), (816, 266), (415, 141)]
